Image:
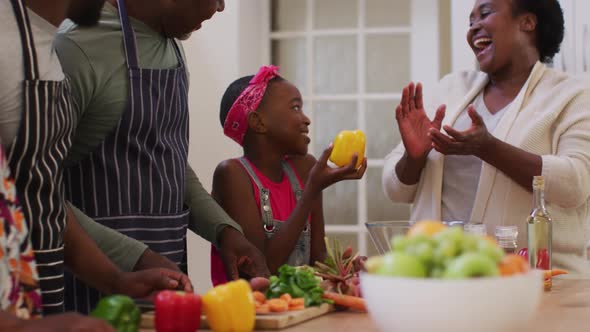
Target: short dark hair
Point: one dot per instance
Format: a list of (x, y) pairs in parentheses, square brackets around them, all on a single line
[(550, 24), (232, 93)]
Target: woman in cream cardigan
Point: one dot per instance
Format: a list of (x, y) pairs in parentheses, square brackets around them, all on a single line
[(514, 119)]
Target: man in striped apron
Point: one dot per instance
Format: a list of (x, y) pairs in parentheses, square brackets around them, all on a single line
[(35, 155), (134, 179)]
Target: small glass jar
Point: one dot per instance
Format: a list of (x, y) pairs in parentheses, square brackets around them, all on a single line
[(475, 229), (506, 237)]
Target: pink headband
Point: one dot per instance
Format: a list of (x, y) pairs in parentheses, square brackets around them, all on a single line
[(236, 123)]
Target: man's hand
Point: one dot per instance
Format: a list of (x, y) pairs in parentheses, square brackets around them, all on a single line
[(142, 284), (151, 259), (239, 255)]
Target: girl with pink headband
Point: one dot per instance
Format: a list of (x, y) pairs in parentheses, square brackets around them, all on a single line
[(274, 191)]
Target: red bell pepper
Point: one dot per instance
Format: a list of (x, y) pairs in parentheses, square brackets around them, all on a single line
[(543, 257), (177, 311)]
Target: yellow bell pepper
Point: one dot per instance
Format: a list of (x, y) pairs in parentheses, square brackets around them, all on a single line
[(346, 144), (230, 307)]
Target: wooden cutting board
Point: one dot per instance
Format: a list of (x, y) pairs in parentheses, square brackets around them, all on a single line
[(263, 322)]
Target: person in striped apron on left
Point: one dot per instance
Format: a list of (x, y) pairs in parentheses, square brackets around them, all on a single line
[(129, 168), (35, 157)]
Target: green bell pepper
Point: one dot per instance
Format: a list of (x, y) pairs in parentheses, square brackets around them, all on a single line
[(120, 311)]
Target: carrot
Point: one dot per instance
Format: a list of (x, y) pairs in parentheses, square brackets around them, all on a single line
[(347, 301), (286, 297), (263, 309), (296, 302), (552, 273), (513, 264), (547, 285), (258, 296), (297, 307), (277, 305)]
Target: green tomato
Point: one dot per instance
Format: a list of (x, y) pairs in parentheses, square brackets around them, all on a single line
[(489, 249), (398, 264), (437, 272), (470, 243), (454, 234), (471, 265), (399, 243), (423, 251), (445, 250), (373, 264)]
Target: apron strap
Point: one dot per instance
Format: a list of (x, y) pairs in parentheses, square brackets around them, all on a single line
[(131, 53), (28, 44), (295, 186), (264, 194), (128, 37)]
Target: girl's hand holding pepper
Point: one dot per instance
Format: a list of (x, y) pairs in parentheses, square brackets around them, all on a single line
[(322, 176)]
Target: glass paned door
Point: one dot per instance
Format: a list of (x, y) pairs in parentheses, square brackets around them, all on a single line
[(351, 59)]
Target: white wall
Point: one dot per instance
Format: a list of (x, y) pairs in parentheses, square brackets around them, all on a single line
[(226, 48), (461, 55)]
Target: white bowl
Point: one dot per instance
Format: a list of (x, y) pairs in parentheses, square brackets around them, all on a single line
[(483, 304)]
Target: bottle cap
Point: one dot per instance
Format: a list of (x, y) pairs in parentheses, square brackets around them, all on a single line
[(539, 182)]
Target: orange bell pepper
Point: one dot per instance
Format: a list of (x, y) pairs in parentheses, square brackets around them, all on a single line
[(346, 144)]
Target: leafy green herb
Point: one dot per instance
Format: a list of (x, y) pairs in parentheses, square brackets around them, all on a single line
[(298, 282)]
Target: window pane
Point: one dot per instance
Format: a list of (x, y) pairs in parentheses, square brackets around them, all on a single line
[(329, 119), (288, 15), (379, 207), (330, 14), (382, 131), (340, 200), (388, 63), (345, 239), (289, 54), (340, 203), (335, 65), (388, 13)]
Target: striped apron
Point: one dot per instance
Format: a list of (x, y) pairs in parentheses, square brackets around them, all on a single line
[(134, 181), (35, 158)]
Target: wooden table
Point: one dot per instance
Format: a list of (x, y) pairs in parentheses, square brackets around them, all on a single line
[(565, 308)]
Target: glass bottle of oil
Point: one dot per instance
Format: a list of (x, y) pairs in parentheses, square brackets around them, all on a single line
[(539, 229)]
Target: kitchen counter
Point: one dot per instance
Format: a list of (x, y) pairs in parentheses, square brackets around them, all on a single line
[(565, 308)]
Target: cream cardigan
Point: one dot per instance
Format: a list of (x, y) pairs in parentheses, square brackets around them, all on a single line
[(549, 117)]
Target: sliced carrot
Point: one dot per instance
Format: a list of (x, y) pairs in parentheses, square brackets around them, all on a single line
[(297, 307), (258, 296), (263, 309), (347, 301), (277, 305), (299, 301), (287, 297)]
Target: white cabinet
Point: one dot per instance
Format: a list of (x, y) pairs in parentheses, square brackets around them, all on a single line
[(574, 56), (582, 31)]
